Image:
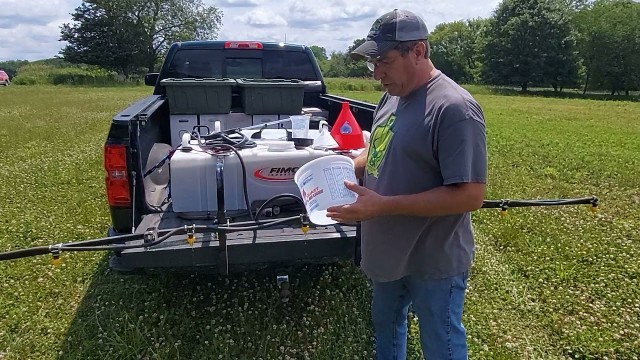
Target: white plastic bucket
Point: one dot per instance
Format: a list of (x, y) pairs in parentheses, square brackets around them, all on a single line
[(321, 184)]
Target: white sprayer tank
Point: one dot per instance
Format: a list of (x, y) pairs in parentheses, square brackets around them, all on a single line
[(271, 167)]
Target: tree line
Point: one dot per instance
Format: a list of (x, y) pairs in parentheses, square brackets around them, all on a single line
[(532, 43), (525, 43), (118, 40)]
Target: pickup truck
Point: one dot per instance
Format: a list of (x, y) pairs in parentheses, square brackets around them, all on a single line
[(140, 136)]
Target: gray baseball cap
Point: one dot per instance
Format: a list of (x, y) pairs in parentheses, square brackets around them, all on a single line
[(388, 30)]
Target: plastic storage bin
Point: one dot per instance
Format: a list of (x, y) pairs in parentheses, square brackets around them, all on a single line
[(271, 96), (199, 96)]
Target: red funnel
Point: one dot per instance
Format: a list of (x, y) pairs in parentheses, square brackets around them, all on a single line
[(346, 131)]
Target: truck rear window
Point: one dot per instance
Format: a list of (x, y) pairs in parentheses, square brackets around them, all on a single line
[(259, 64)]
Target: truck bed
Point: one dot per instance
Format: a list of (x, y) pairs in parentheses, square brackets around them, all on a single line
[(145, 130)]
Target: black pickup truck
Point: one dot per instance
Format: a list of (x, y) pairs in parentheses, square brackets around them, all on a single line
[(140, 137)]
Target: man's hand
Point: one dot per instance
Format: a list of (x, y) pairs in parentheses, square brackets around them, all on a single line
[(369, 205)]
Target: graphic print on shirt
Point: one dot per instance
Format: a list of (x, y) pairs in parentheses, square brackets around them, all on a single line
[(379, 143)]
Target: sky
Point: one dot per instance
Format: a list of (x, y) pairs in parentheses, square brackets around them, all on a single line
[(30, 29)]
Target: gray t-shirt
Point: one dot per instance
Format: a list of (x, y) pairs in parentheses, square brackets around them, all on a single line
[(435, 136)]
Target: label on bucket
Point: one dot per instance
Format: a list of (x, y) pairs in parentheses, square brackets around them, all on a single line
[(310, 198), (335, 176), (321, 183), (332, 183)]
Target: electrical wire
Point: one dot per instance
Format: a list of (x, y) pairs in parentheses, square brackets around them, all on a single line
[(160, 163)]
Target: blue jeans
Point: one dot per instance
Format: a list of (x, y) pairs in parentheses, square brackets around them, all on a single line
[(438, 304)]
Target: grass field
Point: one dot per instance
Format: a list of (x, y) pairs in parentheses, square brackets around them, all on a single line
[(547, 283)]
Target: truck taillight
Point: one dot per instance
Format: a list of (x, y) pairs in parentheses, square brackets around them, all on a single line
[(117, 179), (243, 45)]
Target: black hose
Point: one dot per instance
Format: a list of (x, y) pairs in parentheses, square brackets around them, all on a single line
[(232, 137), (261, 226), (163, 235), (121, 247), (245, 189), (16, 254), (506, 203), (280, 196), (41, 250), (178, 231), (106, 241)]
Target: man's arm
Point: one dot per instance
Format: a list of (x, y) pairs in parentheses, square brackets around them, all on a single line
[(440, 201), (360, 162)]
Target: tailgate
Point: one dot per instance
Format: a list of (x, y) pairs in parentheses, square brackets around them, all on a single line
[(242, 249)]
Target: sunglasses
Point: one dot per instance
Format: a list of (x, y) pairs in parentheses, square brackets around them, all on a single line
[(381, 62)]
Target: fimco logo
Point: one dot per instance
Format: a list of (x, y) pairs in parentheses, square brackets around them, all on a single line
[(276, 173)]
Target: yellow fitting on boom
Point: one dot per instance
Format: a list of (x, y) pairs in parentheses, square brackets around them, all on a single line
[(191, 238), (55, 251)]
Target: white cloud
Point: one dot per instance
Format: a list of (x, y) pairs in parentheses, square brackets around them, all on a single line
[(14, 13), (262, 18), (239, 3), (31, 29), (28, 42), (306, 14)]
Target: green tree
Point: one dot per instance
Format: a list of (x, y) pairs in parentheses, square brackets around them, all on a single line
[(530, 42), (319, 52), (478, 28), (336, 66), (11, 67), (609, 33), (454, 50), (356, 68), (125, 35)]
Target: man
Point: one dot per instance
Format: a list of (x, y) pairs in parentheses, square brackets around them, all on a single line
[(424, 171)]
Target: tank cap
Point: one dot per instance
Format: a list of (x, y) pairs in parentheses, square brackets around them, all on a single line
[(186, 137)]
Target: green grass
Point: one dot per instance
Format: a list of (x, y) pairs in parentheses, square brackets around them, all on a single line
[(369, 84), (547, 283)]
